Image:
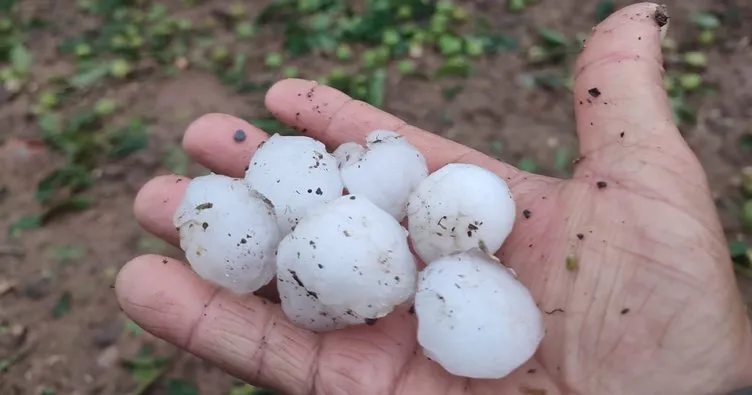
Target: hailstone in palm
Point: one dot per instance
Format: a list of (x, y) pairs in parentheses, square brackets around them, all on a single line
[(296, 173), (457, 208), (228, 232), (474, 317), (348, 261), (386, 171)]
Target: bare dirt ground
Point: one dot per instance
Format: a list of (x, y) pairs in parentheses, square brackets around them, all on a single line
[(62, 330)]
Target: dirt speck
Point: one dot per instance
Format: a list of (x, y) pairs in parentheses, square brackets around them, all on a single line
[(571, 263), (660, 16), (527, 213), (204, 206), (601, 184), (594, 92), (239, 136)]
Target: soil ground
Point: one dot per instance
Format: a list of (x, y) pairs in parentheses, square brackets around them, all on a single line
[(78, 254)]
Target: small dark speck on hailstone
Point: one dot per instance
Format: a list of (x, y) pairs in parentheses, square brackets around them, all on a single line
[(625, 311), (526, 213), (601, 184), (239, 136), (594, 92), (580, 236)]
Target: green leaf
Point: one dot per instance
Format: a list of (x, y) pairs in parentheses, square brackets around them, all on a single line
[(738, 248), (176, 160), (528, 165), (21, 58), (455, 67), (553, 38), (271, 126), (62, 306), (66, 254), (563, 158), (746, 214), (130, 139), (77, 178), (133, 328), (603, 9), (179, 387), (376, 88), (451, 93), (745, 142), (243, 389), (6, 6), (27, 222), (501, 42), (705, 20), (89, 76)]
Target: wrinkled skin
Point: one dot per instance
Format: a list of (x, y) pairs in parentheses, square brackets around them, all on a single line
[(652, 308)]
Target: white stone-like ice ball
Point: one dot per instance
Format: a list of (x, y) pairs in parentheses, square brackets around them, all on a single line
[(475, 318), (296, 173), (350, 257), (228, 232), (386, 172), (460, 207)]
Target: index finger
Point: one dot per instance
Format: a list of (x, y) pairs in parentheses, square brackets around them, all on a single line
[(326, 114)]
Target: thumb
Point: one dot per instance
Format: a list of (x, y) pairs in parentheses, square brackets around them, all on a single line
[(624, 120)]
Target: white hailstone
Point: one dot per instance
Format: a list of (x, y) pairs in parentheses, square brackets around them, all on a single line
[(460, 207), (350, 259), (229, 233), (475, 318), (385, 172), (296, 173), (302, 307)]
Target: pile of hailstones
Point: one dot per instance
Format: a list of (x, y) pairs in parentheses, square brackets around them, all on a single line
[(329, 228)]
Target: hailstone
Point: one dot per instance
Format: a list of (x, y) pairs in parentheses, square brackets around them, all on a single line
[(385, 172), (296, 173), (475, 318), (457, 208), (228, 232), (350, 259)]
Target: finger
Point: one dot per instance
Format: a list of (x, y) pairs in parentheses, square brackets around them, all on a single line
[(331, 116), (620, 102), (245, 336), (155, 205), (222, 143)]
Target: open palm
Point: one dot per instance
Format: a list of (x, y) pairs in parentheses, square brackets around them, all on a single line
[(627, 258)]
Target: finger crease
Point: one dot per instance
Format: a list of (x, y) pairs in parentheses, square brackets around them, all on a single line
[(615, 57), (336, 113), (314, 373), (260, 352), (193, 330)]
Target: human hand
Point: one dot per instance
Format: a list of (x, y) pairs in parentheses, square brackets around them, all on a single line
[(652, 307)]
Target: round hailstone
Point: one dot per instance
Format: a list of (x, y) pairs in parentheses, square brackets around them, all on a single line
[(296, 173), (386, 172), (229, 233), (350, 257), (474, 318), (457, 208)]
